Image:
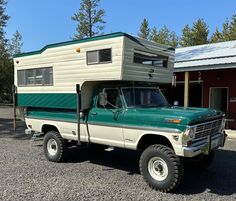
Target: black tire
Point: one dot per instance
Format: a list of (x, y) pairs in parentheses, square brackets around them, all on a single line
[(201, 161), (167, 158), (55, 147)]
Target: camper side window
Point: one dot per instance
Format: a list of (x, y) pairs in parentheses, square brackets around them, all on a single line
[(99, 56), (35, 77)]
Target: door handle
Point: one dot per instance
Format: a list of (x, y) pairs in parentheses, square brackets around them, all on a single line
[(94, 113)]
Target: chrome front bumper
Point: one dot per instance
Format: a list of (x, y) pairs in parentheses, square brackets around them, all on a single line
[(205, 146)]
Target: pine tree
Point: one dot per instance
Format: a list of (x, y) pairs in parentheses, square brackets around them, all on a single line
[(144, 31), (187, 37), (226, 30), (3, 22), (173, 40), (6, 66), (16, 43), (89, 18), (232, 28), (216, 36), (163, 36), (200, 32), (154, 35)]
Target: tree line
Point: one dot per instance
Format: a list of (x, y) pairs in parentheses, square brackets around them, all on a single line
[(8, 47), (195, 34)]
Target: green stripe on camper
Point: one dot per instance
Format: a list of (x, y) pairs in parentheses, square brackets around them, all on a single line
[(47, 100)]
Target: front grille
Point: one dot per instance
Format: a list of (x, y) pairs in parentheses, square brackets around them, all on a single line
[(208, 128)]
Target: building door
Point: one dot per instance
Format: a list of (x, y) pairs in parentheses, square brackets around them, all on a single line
[(219, 98)]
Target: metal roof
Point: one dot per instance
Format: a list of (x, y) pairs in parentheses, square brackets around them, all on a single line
[(205, 57)]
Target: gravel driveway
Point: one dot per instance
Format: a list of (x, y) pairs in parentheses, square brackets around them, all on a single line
[(25, 174)]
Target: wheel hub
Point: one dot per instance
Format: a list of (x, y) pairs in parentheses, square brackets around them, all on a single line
[(157, 168), (52, 147)]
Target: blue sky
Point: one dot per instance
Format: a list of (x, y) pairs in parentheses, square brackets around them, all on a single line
[(43, 22)]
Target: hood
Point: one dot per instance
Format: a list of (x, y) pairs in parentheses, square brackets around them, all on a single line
[(163, 115)]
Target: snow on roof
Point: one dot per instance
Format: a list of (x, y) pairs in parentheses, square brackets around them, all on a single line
[(206, 56)]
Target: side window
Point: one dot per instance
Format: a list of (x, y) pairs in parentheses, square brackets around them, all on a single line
[(35, 77), (99, 56), (113, 99)]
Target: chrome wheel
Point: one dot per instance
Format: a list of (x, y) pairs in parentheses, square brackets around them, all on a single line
[(52, 147), (157, 168)]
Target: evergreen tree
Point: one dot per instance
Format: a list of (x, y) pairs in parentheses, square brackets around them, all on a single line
[(3, 22), (163, 36), (187, 37), (232, 28), (154, 35), (216, 36), (226, 30), (16, 43), (6, 66), (89, 18), (173, 40), (200, 32), (144, 31)]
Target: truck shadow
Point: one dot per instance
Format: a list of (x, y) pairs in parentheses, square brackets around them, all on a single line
[(219, 178), (125, 160), (7, 131)]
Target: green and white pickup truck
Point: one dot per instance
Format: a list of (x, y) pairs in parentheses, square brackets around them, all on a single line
[(104, 91)]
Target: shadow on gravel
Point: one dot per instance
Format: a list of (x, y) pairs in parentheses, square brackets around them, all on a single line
[(7, 131), (218, 179), (117, 159)]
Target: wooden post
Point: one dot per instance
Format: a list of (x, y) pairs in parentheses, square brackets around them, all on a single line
[(14, 106), (186, 89)]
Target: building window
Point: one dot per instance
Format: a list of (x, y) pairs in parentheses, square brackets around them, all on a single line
[(151, 59), (35, 77), (99, 56)]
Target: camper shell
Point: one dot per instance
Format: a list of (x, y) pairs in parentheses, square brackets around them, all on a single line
[(69, 65), (104, 91)]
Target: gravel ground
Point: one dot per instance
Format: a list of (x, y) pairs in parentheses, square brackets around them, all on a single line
[(25, 174)]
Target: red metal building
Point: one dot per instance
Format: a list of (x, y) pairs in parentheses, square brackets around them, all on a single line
[(206, 77)]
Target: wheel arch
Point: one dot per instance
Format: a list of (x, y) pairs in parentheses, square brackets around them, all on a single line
[(49, 127), (149, 139)]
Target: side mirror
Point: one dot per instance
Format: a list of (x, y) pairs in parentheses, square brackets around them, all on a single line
[(103, 99)]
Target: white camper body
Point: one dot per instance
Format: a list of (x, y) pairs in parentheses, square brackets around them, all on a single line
[(70, 65)]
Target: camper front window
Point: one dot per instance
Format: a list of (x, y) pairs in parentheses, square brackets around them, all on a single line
[(151, 59)]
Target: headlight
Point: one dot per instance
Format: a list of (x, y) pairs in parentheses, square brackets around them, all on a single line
[(188, 136), (190, 132)]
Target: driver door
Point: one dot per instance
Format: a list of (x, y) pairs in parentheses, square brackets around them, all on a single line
[(105, 122)]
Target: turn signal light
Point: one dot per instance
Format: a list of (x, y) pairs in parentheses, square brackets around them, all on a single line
[(176, 121)]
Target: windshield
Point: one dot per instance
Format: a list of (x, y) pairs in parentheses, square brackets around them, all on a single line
[(144, 97)]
